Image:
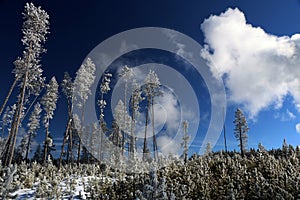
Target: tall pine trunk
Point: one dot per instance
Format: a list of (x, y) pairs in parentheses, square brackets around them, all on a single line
[(155, 153), (10, 147), (80, 135), (28, 146), (8, 95), (146, 127), (67, 136), (241, 142), (46, 144), (132, 134)]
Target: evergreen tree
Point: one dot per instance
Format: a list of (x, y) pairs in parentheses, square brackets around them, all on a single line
[(208, 149), (84, 79), (123, 121), (28, 68), (134, 102), (151, 90), (38, 154), (67, 89), (185, 139), (33, 126), (241, 129), (49, 105), (126, 74), (104, 89)]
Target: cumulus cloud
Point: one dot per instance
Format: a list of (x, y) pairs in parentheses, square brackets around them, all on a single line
[(259, 69)]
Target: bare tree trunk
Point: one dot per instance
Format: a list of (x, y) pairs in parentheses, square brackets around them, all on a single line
[(224, 130), (153, 131), (9, 153), (28, 146), (8, 95), (46, 144), (241, 142), (101, 132), (146, 127), (80, 135), (64, 141), (124, 118), (70, 145), (132, 134)]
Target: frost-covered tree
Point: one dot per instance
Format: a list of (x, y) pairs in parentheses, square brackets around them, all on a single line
[(104, 89), (28, 68), (134, 103), (115, 139), (151, 89), (123, 120), (241, 129), (126, 74), (33, 126), (185, 139), (48, 102), (84, 79), (208, 148), (7, 118), (67, 89)]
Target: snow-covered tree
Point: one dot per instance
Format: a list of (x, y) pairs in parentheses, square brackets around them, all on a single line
[(7, 118), (123, 120), (48, 102), (151, 89), (104, 89), (208, 148), (241, 129), (126, 74), (134, 103), (84, 79), (28, 67), (33, 126), (67, 89), (185, 140)]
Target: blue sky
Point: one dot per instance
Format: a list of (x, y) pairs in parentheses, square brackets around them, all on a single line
[(77, 27)]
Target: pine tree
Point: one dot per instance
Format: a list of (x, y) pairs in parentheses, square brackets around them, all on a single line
[(135, 101), (33, 126), (84, 79), (7, 118), (151, 90), (241, 129), (185, 139), (208, 149), (123, 121), (49, 105), (38, 154), (126, 74), (104, 89), (28, 68), (67, 89)]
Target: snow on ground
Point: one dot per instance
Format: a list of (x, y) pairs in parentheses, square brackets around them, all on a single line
[(78, 192)]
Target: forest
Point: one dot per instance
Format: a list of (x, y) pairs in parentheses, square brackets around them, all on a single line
[(103, 160)]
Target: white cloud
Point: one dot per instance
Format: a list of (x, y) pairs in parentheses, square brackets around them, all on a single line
[(168, 145), (259, 69), (287, 116), (166, 110), (298, 128)]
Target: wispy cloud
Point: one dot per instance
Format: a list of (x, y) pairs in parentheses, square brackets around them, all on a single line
[(285, 116)]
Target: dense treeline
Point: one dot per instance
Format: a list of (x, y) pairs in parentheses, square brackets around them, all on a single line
[(260, 174)]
